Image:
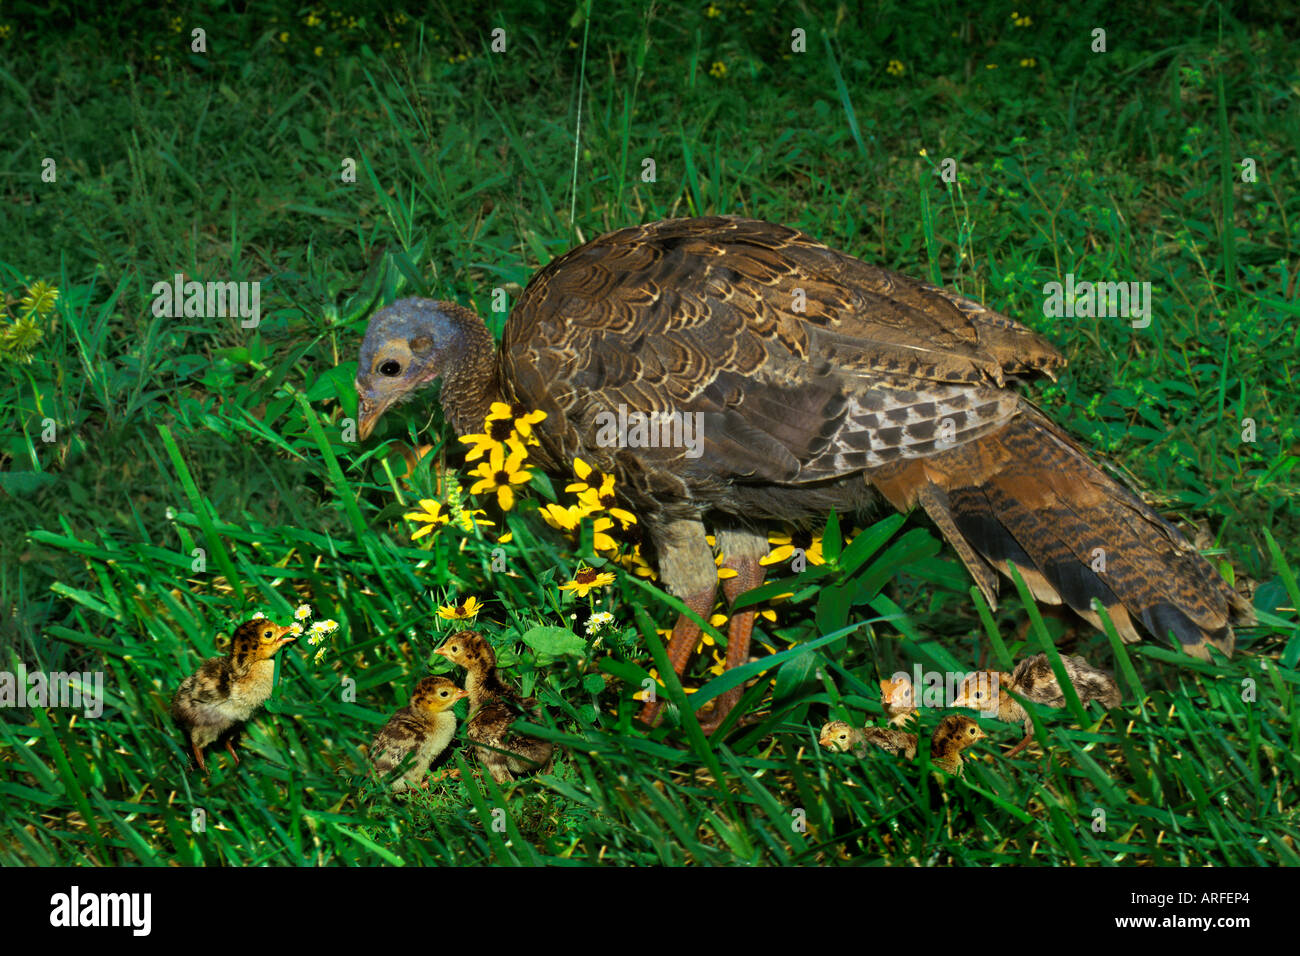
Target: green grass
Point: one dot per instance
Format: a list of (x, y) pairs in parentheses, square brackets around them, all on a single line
[(173, 435)]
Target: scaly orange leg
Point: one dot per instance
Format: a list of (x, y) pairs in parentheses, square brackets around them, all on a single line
[(686, 634), (198, 756), (749, 575), (230, 748), (1020, 746)]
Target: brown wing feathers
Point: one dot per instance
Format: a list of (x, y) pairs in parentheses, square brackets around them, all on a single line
[(817, 374)]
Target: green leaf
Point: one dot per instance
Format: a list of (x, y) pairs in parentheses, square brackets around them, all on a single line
[(795, 674), (831, 539), (869, 542), (554, 641), (332, 382)]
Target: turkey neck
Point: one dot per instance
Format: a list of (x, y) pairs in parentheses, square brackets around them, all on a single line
[(471, 381), (1009, 709), (477, 674)]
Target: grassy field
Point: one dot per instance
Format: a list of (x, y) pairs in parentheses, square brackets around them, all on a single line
[(163, 478)]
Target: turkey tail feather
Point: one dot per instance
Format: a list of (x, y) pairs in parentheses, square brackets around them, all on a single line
[(1028, 495)]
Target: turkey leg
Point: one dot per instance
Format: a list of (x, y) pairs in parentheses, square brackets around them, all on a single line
[(1029, 737), (686, 634), (749, 575)]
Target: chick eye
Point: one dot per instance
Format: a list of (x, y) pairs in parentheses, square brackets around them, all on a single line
[(390, 368), (971, 731), (442, 693), (266, 635)]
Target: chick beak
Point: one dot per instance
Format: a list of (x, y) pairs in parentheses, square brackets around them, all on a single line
[(443, 652), (285, 635), (458, 695)]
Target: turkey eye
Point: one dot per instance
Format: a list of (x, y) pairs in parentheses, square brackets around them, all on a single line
[(266, 635), (390, 368), (971, 731)]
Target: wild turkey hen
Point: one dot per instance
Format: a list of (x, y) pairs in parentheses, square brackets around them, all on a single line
[(818, 382)]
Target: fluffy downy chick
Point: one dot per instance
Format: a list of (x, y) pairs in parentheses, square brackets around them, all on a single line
[(215, 701), (422, 728), (840, 737), (899, 700), (1033, 679), (494, 705), (951, 737)]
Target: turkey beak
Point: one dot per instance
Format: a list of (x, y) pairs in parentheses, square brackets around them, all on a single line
[(443, 652), (285, 636), (369, 411)]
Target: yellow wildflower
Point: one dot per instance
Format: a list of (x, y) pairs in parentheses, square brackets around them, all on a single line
[(785, 545), (496, 432), (430, 515), (723, 573), (601, 498), (519, 418), (500, 473), (466, 611), (706, 639), (719, 665), (586, 579), (584, 471), (601, 540), (635, 562), (642, 695), (561, 518)]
